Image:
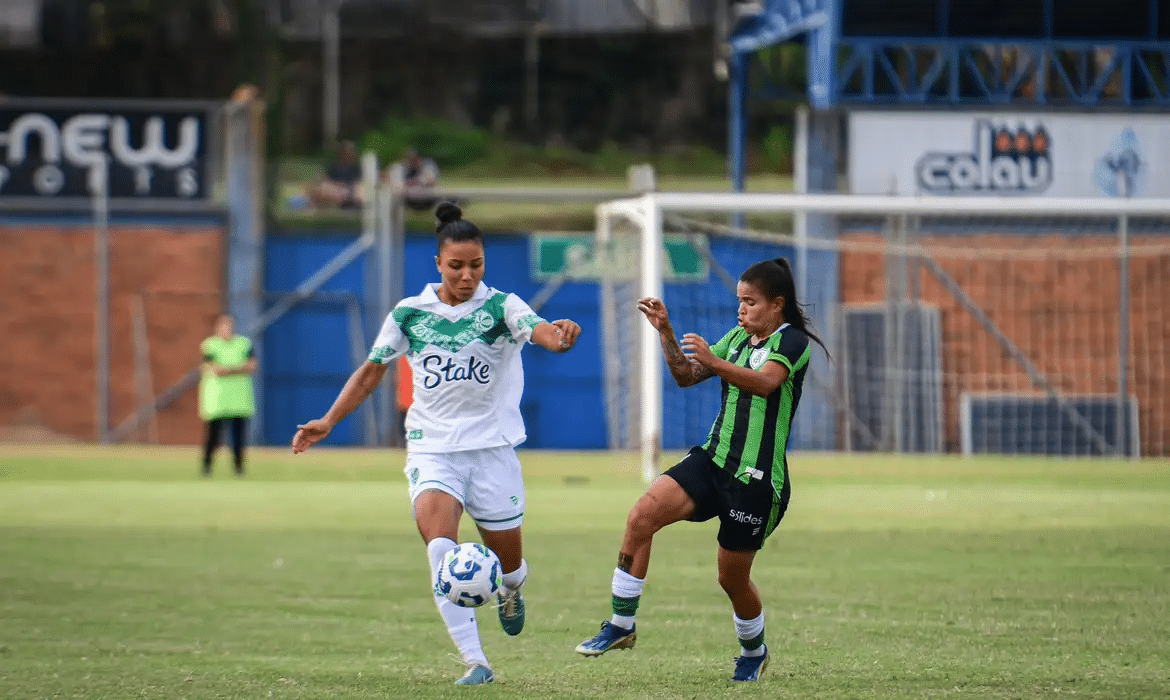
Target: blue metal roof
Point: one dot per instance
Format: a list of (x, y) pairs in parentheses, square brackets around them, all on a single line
[(780, 21)]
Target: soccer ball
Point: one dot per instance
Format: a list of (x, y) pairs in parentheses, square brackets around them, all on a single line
[(469, 575)]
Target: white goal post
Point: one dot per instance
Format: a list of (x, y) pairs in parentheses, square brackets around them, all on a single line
[(936, 241)]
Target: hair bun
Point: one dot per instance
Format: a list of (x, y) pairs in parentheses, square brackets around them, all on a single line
[(447, 212)]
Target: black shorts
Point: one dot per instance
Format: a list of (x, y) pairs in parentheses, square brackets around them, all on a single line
[(747, 513)]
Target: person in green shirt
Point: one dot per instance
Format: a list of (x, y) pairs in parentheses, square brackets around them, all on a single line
[(225, 390)]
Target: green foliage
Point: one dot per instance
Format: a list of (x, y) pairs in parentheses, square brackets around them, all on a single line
[(449, 144), (473, 153), (127, 576), (786, 66), (777, 147), (516, 160)]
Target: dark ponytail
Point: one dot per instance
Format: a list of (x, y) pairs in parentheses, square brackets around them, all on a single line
[(774, 278), (453, 227)]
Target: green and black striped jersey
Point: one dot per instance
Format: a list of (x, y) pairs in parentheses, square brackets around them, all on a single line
[(750, 434)]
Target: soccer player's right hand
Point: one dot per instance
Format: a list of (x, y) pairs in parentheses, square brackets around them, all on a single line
[(310, 434), (655, 312)]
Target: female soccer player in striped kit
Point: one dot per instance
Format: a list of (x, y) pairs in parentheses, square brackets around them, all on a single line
[(463, 340), (740, 475)]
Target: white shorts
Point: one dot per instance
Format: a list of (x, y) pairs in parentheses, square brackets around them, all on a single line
[(487, 482)]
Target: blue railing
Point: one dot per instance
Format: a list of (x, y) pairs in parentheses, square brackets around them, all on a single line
[(912, 71)]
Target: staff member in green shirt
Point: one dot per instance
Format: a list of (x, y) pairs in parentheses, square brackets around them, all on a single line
[(225, 390)]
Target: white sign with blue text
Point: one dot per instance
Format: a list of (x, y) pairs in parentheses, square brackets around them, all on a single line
[(1009, 154)]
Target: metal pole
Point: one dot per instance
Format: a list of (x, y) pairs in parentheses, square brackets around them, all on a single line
[(889, 339), (383, 397), (101, 233), (331, 67), (737, 91), (391, 261), (357, 350), (800, 186), (1123, 427), (371, 229), (896, 353), (396, 290), (618, 431)]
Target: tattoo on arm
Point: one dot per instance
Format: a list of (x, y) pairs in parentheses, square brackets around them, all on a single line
[(684, 370), (699, 372), (625, 561), (681, 367)]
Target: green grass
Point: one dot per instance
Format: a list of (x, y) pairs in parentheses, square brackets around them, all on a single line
[(126, 576)]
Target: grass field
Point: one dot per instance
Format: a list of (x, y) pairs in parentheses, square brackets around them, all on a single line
[(123, 575)]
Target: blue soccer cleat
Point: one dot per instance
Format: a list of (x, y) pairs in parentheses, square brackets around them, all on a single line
[(610, 637), (511, 610), (477, 674), (749, 668)]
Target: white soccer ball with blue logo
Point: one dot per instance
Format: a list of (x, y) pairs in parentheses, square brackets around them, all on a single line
[(469, 575)]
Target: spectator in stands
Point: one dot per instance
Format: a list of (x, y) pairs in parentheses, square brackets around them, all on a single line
[(419, 176), (225, 390), (245, 92), (342, 185)]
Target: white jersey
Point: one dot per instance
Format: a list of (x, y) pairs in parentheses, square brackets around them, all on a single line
[(465, 362)]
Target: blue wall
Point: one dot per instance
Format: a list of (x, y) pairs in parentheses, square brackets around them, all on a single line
[(307, 356), (307, 353)]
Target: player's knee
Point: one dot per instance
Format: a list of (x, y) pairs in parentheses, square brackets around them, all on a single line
[(646, 517), (641, 521), (733, 581)]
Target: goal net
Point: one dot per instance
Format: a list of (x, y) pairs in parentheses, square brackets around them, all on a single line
[(976, 326)]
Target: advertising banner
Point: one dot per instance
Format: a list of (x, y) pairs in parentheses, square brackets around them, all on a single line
[(1006, 154), (143, 152)]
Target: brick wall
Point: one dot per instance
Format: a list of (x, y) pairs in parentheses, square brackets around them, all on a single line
[(47, 321), (1062, 311)]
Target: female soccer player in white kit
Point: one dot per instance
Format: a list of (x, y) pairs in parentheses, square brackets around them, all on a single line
[(463, 341)]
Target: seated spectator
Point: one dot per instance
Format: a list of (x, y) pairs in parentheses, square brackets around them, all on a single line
[(419, 173), (342, 184)]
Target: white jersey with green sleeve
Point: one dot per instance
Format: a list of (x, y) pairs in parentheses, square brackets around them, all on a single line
[(465, 362)]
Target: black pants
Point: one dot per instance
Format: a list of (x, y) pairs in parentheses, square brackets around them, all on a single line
[(214, 432)]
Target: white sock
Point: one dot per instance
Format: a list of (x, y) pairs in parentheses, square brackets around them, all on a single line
[(750, 631), (625, 588), (514, 580), (625, 585), (460, 622), (436, 550), (464, 630)]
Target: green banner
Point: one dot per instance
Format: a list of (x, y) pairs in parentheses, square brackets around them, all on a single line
[(575, 257)]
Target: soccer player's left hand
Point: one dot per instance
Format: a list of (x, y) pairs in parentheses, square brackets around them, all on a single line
[(694, 346), (569, 332)]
